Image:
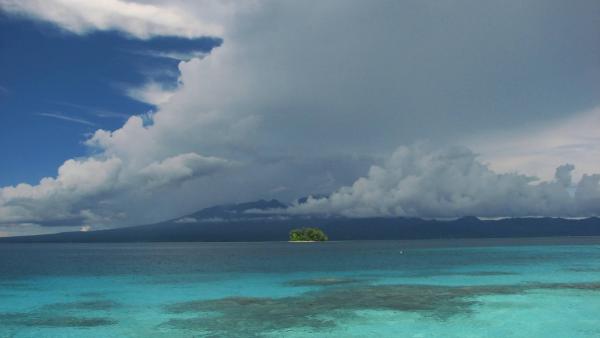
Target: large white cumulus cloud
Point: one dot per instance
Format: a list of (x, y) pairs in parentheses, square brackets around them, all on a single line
[(420, 182), (57, 198), (84, 190)]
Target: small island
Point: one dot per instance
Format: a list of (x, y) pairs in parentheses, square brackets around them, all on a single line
[(307, 235)]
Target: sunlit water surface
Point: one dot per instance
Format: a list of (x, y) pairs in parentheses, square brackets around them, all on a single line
[(336, 289)]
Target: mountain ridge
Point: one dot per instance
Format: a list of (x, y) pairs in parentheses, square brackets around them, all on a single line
[(236, 222)]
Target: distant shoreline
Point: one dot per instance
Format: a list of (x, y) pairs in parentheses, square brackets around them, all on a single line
[(403, 244)]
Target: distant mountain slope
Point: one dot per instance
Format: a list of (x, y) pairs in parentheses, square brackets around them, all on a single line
[(236, 211), (242, 222)]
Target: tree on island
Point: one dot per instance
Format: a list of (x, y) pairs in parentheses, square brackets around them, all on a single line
[(308, 234)]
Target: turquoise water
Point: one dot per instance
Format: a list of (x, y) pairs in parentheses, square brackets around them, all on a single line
[(337, 289)]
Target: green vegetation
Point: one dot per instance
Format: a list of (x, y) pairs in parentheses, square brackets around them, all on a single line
[(307, 234)]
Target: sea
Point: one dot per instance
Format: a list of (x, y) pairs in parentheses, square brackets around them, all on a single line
[(430, 288)]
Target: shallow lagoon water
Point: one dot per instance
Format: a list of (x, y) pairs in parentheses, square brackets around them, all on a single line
[(455, 288)]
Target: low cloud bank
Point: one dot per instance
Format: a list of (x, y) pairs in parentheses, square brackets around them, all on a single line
[(421, 182), (85, 190)]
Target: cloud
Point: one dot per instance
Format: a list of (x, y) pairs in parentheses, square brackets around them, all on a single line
[(84, 191), (175, 55), (186, 220), (181, 168), (135, 19), (24, 229), (302, 97), (67, 118), (95, 111), (587, 195), (77, 186), (540, 148), (152, 92), (419, 182)]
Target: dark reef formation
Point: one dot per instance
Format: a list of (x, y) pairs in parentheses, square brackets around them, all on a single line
[(65, 315), (321, 309)]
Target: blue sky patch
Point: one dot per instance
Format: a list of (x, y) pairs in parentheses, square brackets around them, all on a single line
[(57, 87)]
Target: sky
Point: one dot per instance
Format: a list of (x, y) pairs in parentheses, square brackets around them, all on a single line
[(114, 113)]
